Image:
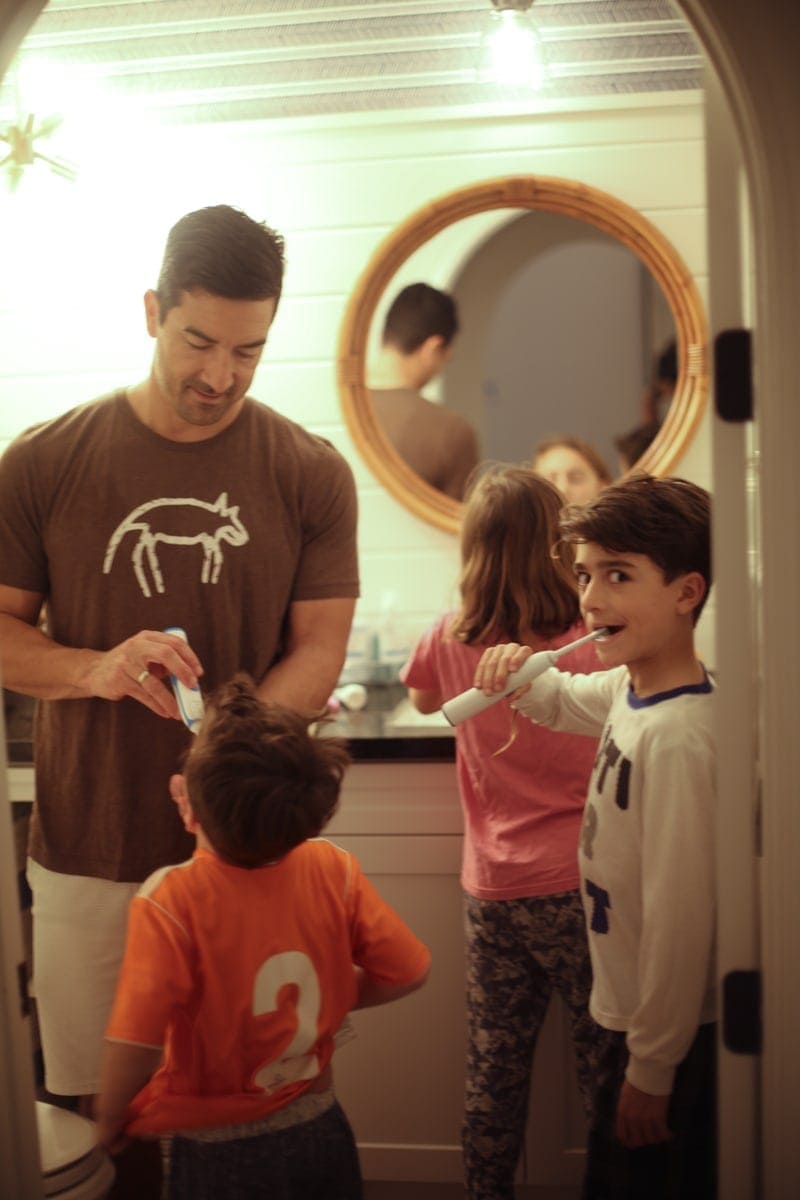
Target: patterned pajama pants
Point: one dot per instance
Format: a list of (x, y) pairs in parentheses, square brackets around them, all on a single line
[(518, 951)]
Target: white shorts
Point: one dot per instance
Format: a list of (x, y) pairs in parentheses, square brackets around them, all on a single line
[(78, 942)]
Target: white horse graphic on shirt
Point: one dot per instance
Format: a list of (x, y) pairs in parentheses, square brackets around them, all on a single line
[(158, 521)]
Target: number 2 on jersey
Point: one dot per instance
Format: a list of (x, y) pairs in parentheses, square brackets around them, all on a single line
[(295, 1063)]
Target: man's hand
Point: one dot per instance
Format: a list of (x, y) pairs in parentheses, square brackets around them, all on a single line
[(140, 666), (495, 666), (641, 1118)]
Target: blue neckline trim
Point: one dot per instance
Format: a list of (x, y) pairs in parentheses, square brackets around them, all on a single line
[(690, 689)]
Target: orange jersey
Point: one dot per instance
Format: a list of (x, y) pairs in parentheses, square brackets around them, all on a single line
[(244, 976)]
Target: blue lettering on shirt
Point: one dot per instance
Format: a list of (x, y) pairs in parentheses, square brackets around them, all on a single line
[(623, 783), (601, 901), (611, 755)]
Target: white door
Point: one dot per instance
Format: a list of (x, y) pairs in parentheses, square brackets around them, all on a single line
[(734, 466)]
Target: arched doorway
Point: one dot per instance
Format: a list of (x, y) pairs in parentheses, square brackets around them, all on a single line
[(754, 60)]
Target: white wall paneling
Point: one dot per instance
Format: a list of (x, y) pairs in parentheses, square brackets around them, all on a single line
[(71, 320)]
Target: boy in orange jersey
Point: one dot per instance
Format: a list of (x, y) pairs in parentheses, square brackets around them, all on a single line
[(242, 963)]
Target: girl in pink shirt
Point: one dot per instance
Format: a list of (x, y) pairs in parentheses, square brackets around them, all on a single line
[(522, 816)]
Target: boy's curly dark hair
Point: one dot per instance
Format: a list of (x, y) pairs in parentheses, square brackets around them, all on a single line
[(259, 781)]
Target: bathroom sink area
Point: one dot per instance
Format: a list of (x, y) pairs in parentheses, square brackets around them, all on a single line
[(386, 729), (389, 729)]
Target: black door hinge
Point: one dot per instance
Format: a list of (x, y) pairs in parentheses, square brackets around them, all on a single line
[(741, 1012), (22, 984), (733, 375)]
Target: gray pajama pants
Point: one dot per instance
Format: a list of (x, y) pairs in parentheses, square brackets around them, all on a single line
[(518, 951)]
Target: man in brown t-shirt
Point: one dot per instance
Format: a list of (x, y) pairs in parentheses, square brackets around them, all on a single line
[(180, 501), (437, 443)]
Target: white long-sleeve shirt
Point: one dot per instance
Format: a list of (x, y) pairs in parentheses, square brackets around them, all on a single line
[(646, 859)]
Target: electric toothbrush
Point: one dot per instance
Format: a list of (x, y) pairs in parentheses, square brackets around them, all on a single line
[(190, 700), (473, 701)]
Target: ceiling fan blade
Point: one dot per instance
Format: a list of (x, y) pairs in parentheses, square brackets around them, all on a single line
[(60, 166), (27, 129), (48, 126)]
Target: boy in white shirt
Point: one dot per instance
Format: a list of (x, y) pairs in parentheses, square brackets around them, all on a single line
[(642, 564)]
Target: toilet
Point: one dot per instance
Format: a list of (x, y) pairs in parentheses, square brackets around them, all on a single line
[(73, 1165)]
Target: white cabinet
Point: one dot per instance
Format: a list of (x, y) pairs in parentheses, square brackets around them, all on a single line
[(556, 1137), (401, 1081)]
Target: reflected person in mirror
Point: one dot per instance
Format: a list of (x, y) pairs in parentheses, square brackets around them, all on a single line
[(656, 399), (179, 500), (632, 445), (241, 965), (522, 806), (437, 443), (573, 466)]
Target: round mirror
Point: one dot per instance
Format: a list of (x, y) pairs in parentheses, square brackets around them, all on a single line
[(471, 241)]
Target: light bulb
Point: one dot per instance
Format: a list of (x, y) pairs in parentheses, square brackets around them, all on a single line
[(513, 53)]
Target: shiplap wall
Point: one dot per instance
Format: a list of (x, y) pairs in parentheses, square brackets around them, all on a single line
[(78, 257)]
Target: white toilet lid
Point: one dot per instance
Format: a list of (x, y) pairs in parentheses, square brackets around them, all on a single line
[(68, 1150)]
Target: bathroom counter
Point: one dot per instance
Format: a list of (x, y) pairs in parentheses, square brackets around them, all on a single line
[(387, 730), (401, 735), (372, 737)]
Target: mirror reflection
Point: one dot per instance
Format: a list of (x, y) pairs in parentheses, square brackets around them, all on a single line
[(465, 243), (418, 337), (538, 325)]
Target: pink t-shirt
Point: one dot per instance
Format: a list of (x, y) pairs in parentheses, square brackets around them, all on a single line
[(523, 809)]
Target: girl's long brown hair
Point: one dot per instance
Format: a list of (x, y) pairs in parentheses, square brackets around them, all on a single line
[(511, 584)]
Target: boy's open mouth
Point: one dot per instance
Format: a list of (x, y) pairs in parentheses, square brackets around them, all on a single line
[(609, 631)]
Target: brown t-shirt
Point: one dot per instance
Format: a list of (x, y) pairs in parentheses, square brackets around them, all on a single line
[(124, 530), (437, 443)]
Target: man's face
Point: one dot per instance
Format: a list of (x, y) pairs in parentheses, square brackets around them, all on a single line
[(627, 593), (207, 350)]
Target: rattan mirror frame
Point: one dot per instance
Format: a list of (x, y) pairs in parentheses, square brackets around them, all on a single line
[(551, 194)]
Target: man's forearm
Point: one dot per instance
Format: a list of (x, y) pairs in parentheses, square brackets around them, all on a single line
[(304, 679), (35, 665)]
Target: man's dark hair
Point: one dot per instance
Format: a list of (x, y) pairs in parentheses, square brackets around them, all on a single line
[(669, 520), (259, 782), (222, 251), (418, 312)]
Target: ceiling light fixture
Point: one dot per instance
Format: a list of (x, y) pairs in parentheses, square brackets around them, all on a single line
[(23, 138), (512, 52)]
